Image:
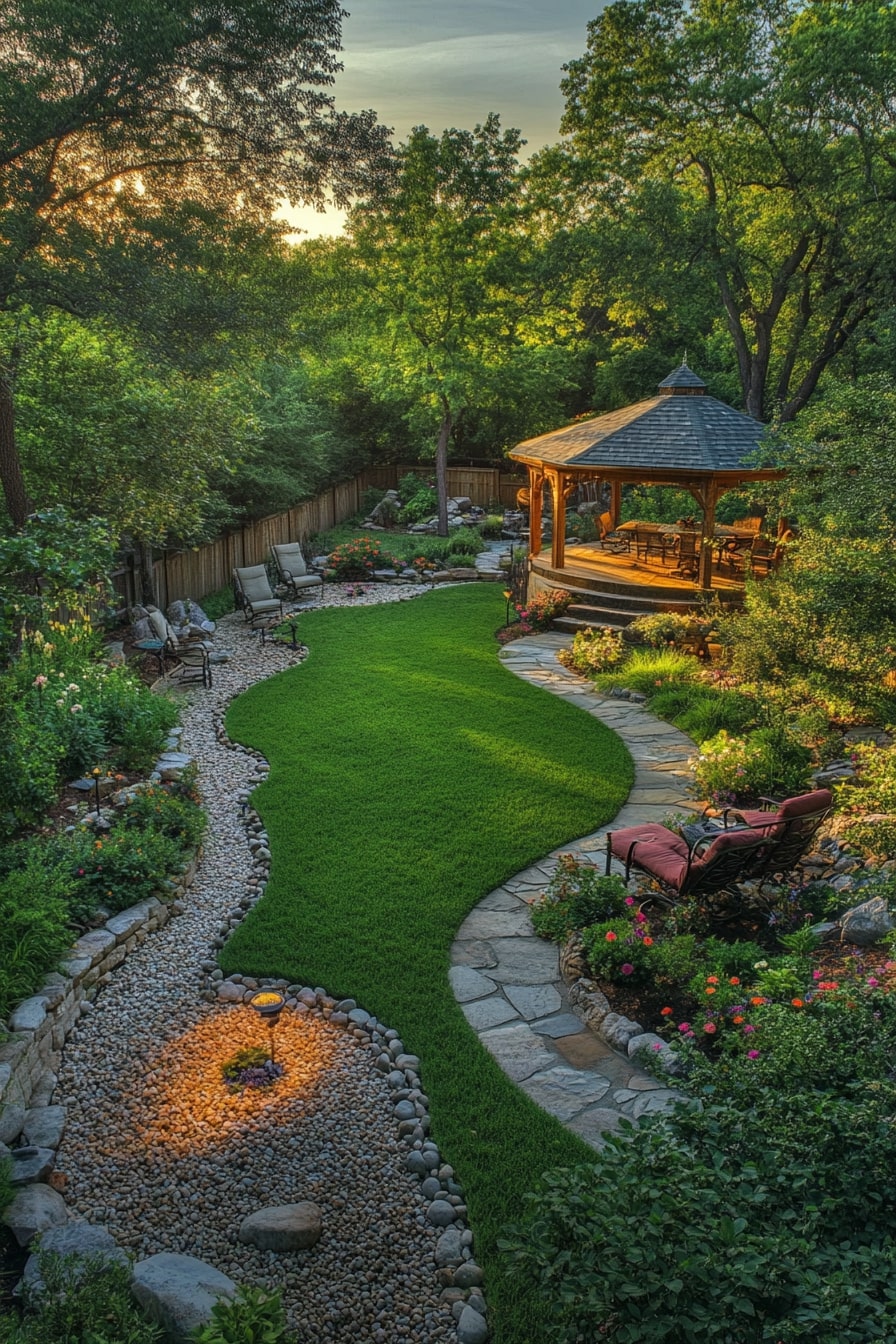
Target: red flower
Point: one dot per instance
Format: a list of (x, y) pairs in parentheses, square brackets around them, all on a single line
[(709, 1028), (665, 1012), (611, 937)]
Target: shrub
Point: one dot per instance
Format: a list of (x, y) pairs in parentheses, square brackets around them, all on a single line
[(492, 526), (593, 651), (176, 815), (619, 949), (647, 671), (739, 769), (458, 560), (661, 627), (544, 606), (86, 1300), (758, 1247), (121, 867), (34, 909), (252, 1317), (418, 498), (578, 895), (359, 558)]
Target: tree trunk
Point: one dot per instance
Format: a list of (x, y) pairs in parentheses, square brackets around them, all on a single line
[(442, 471), (17, 502)]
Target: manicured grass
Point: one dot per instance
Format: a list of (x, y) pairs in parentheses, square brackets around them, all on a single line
[(410, 774)]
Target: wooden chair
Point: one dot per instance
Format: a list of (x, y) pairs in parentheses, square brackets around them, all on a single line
[(712, 863), (687, 551), (610, 540), (649, 540)]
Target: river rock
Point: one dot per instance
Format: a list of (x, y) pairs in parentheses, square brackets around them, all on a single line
[(471, 1328), (31, 1164), (866, 923), (284, 1227)]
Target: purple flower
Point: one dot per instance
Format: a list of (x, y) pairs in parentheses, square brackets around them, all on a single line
[(626, 968)]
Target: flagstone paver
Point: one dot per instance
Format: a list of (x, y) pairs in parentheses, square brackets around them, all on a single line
[(518, 1004)]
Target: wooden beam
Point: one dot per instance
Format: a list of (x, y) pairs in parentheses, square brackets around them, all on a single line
[(709, 527), (558, 517)]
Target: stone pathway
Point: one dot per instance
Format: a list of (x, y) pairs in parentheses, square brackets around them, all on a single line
[(507, 980)]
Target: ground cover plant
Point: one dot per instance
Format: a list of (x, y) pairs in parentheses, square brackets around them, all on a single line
[(775, 1201), (410, 774)]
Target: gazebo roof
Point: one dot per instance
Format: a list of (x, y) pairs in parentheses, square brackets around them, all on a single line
[(680, 430)]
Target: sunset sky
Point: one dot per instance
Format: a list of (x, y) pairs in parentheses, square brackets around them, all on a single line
[(420, 61)]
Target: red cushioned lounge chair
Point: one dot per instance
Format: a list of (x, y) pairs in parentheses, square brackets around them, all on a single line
[(789, 825), (711, 864)]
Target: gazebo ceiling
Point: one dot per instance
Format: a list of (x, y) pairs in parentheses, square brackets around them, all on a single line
[(682, 431)]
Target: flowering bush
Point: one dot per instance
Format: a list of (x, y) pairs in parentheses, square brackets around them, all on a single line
[(543, 607), (118, 868), (578, 895), (250, 1067), (732, 769), (594, 651), (359, 558), (619, 949)]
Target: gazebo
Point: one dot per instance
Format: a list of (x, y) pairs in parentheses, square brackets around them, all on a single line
[(681, 438)]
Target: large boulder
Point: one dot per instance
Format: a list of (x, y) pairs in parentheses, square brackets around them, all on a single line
[(284, 1227), (866, 923), (34, 1209), (179, 1292)]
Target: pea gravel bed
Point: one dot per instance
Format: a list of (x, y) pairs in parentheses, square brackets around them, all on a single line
[(158, 1152)]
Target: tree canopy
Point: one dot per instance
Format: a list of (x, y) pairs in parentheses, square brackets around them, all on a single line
[(112, 111), (760, 141)]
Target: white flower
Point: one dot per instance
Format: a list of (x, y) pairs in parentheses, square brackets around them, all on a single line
[(73, 688), (76, 709), (60, 703)]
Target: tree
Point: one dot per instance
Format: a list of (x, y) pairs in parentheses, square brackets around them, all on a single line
[(439, 259), (112, 110), (766, 134)]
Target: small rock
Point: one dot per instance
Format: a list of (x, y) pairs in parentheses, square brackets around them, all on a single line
[(285, 1227), (471, 1328), (440, 1213)]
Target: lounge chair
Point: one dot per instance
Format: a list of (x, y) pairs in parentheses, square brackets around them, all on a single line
[(293, 571), (789, 826), (254, 593), (712, 863)]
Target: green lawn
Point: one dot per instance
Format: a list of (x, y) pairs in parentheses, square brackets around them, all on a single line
[(410, 774)]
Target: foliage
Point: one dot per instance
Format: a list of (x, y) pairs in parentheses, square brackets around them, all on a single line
[(250, 1067), (619, 949), (169, 810), (828, 617), (7, 1189), (52, 561), (491, 526), (763, 1246), (358, 559), (874, 793), (594, 651), (578, 894), (35, 892), (252, 1317), (646, 670), (544, 607), (418, 498), (86, 1301), (660, 627), (120, 867), (736, 160), (764, 762)]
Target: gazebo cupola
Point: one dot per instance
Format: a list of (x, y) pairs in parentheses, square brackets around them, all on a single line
[(682, 437)]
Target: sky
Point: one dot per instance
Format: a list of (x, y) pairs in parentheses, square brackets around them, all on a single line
[(444, 63)]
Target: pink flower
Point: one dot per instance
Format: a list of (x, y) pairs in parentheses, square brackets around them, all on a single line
[(748, 1029), (641, 917), (816, 975), (872, 982), (684, 1026), (626, 968), (709, 1028), (629, 900), (752, 1054), (40, 681)]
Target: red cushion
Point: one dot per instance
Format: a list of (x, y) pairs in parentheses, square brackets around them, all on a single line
[(806, 804), (726, 841), (659, 850)]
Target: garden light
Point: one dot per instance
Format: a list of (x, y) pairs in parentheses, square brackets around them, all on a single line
[(268, 1004), (508, 594)]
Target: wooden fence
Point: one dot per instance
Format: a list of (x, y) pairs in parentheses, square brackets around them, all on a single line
[(205, 569)]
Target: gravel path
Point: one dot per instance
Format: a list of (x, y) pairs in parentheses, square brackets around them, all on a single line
[(158, 1152)]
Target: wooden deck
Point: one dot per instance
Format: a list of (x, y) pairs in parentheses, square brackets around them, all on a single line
[(587, 566)]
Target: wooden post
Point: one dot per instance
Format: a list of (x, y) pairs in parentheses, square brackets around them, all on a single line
[(536, 505), (615, 502), (558, 518), (709, 526)]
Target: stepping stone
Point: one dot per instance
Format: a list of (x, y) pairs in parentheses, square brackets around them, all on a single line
[(525, 961), (564, 1024), (532, 1001), (468, 984), (563, 1091), (497, 923), (485, 1013), (477, 953), (518, 1050)]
